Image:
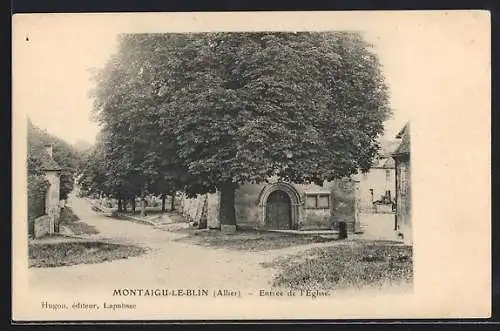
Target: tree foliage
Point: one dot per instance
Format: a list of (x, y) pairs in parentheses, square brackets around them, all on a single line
[(92, 176), (63, 153), (211, 111), (37, 188)]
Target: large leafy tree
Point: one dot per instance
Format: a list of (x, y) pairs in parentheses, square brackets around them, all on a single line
[(241, 107), (92, 171), (66, 156), (139, 153), (103, 173)]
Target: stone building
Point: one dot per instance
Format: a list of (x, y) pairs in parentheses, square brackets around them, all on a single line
[(52, 172), (380, 180), (403, 184), (278, 205)]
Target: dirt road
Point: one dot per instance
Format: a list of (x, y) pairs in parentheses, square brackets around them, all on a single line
[(167, 264)]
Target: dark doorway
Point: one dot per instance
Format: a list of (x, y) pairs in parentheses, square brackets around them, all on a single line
[(278, 211)]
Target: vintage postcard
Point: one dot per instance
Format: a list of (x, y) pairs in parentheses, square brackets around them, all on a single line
[(240, 166)]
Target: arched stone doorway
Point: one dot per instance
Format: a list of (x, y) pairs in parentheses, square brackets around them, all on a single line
[(278, 211), (280, 206)]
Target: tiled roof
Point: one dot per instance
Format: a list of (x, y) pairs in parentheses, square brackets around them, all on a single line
[(404, 146), (403, 130)]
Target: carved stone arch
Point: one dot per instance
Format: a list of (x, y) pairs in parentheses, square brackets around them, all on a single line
[(293, 194)]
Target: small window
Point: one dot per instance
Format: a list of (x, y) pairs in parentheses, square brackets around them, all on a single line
[(387, 175), (323, 201), (311, 201), (317, 201)]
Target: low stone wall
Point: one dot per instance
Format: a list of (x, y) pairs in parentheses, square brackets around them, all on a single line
[(249, 212), (343, 207), (317, 219), (189, 208), (193, 209), (246, 205), (42, 226), (97, 205)]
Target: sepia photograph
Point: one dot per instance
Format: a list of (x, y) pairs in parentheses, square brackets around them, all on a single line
[(207, 167)]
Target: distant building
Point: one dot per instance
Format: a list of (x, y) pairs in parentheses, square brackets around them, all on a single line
[(53, 172), (380, 181), (403, 184)]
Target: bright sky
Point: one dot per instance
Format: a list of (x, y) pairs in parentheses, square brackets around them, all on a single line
[(62, 48)]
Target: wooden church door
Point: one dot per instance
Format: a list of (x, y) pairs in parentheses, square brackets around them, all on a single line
[(278, 211)]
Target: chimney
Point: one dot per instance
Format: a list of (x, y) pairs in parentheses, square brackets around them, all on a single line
[(48, 149)]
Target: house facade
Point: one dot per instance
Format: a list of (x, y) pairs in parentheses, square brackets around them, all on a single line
[(278, 205), (403, 185), (380, 181), (52, 172)]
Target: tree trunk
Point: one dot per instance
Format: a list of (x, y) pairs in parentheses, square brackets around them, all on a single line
[(163, 197), (172, 203), (227, 211), (125, 202), (120, 206), (133, 204), (143, 202)]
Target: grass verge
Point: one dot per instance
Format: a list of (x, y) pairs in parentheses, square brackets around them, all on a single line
[(350, 265), (57, 254), (152, 219), (70, 220), (247, 239)]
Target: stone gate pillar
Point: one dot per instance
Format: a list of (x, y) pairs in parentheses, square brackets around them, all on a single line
[(52, 202), (357, 224), (53, 174)]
